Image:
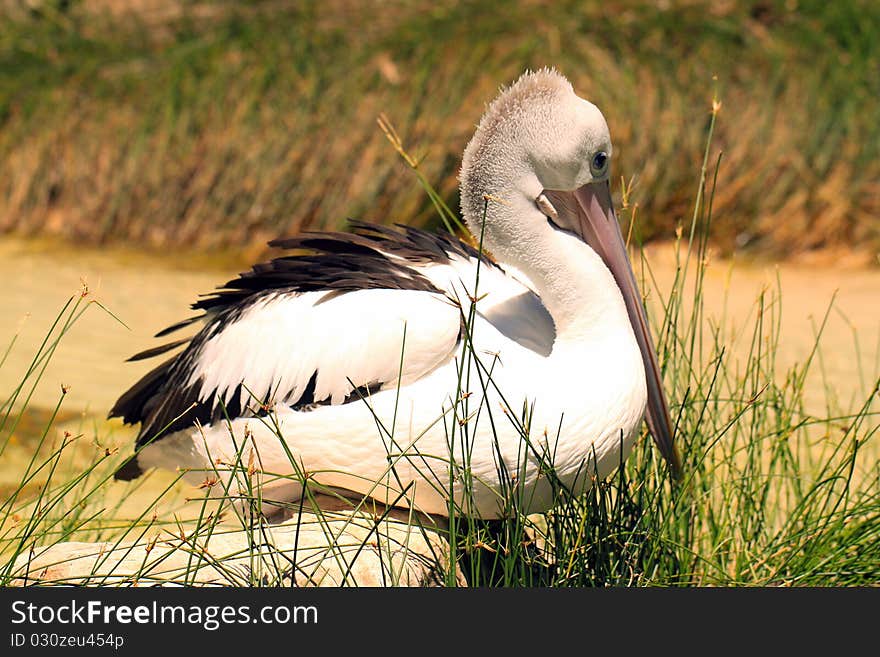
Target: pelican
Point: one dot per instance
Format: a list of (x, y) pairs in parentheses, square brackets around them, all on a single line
[(420, 370)]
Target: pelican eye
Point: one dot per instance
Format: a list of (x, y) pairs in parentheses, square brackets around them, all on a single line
[(599, 163)]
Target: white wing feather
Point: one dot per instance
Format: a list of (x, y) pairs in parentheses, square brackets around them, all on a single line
[(354, 339), (506, 300)]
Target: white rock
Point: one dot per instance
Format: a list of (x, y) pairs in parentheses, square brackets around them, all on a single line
[(326, 549)]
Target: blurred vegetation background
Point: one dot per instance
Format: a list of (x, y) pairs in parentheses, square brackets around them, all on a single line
[(223, 124)]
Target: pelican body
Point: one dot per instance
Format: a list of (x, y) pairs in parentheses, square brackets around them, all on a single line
[(415, 368)]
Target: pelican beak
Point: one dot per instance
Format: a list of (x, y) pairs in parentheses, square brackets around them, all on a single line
[(600, 229)]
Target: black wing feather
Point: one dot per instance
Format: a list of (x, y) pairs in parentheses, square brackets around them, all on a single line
[(156, 351), (179, 325)]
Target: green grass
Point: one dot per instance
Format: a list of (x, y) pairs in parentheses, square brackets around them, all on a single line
[(771, 495), (223, 125)]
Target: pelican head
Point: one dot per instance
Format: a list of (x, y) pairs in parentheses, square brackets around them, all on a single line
[(539, 164)]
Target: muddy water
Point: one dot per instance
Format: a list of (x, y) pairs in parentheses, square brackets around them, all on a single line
[(148, 294), (143, 295), (846, 363)]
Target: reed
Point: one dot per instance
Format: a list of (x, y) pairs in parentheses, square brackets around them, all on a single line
[(220, 125)]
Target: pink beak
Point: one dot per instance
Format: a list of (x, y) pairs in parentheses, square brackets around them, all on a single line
[(599, 228)]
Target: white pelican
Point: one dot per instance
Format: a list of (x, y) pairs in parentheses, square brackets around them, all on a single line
[(348, 360)]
